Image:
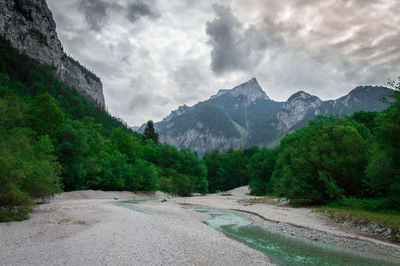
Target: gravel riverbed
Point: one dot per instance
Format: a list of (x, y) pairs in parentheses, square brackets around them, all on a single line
[(90, 228)]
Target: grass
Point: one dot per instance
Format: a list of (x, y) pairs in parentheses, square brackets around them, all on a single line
[(362, 216), (370, 210), (367, 213)]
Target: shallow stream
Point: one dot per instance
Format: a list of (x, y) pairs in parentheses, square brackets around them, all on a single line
[(281, 248), (130, 204)]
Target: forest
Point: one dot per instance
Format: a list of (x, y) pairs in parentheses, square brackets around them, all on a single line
[(54, 140), (351, 161)]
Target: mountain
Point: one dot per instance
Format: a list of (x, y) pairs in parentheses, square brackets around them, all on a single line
[(245, 116), (135, 128), (30, 27)]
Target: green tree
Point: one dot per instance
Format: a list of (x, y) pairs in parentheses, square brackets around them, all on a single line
[(147, 174), (322, 162), (367, 118), (229, 170), (150, 132), (44, 114), (384, 168), (261, 166), (125, 142), (28, 169), (181, 185), (72, 150), (117, 173)]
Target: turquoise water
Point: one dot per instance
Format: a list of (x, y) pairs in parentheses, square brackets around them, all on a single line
[(129, 204), (284, 249)]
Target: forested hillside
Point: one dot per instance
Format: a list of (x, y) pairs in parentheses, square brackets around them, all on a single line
[(352, 160), (53, 139)]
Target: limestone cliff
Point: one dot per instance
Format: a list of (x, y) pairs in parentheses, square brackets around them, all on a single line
[(30, 27)]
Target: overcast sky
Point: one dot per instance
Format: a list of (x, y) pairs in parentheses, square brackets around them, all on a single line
[(154, 55)]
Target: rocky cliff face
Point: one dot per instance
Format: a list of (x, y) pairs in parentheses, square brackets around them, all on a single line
[(30, 27), (297, 109), (245, 116)]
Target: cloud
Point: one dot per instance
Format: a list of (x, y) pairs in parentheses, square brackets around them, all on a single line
[(234, 47), (196, 48), (139, 9), (96, 13)]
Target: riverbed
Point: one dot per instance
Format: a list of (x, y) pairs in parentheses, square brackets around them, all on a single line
[(122, 228)]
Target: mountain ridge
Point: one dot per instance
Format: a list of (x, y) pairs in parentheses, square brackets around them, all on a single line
[(252, 118)]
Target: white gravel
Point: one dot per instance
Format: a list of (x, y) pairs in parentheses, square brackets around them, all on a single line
[(88, 228)]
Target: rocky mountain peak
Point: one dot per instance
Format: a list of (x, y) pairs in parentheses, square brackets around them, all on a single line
[(230, 118), (181, 110), (251, 90), (300, 95)]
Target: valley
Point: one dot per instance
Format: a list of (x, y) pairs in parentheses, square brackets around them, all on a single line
[(236, 179)]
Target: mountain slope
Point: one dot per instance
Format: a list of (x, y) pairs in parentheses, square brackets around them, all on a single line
[(245, 116), (30, 27)]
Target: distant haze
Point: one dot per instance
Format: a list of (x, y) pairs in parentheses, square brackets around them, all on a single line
[(154, 55)]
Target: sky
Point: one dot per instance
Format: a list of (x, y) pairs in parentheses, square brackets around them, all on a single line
[(155, 55)]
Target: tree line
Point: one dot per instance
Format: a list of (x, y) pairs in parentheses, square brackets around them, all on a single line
[(332, 159), (53, 140)]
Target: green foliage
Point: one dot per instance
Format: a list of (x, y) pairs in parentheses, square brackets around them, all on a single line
[(28, 170), (44, 114), (15, 204), (384, 167), (72, 150), (126, 143), (183, 164), (146, 172), (182, 185), (229, 170), (261, 167), (367, 118), (367, 204), (321, 162), (150, 132), (27, 79)]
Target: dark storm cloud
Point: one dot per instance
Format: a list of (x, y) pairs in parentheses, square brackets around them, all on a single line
[(96, 13), (233, 46), (139, 9)]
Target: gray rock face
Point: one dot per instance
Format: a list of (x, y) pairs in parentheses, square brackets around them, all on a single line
[(251, 91), (298, 107), (30, 27), (245, 116)]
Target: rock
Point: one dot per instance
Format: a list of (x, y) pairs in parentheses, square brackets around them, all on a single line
[(30, 27)]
